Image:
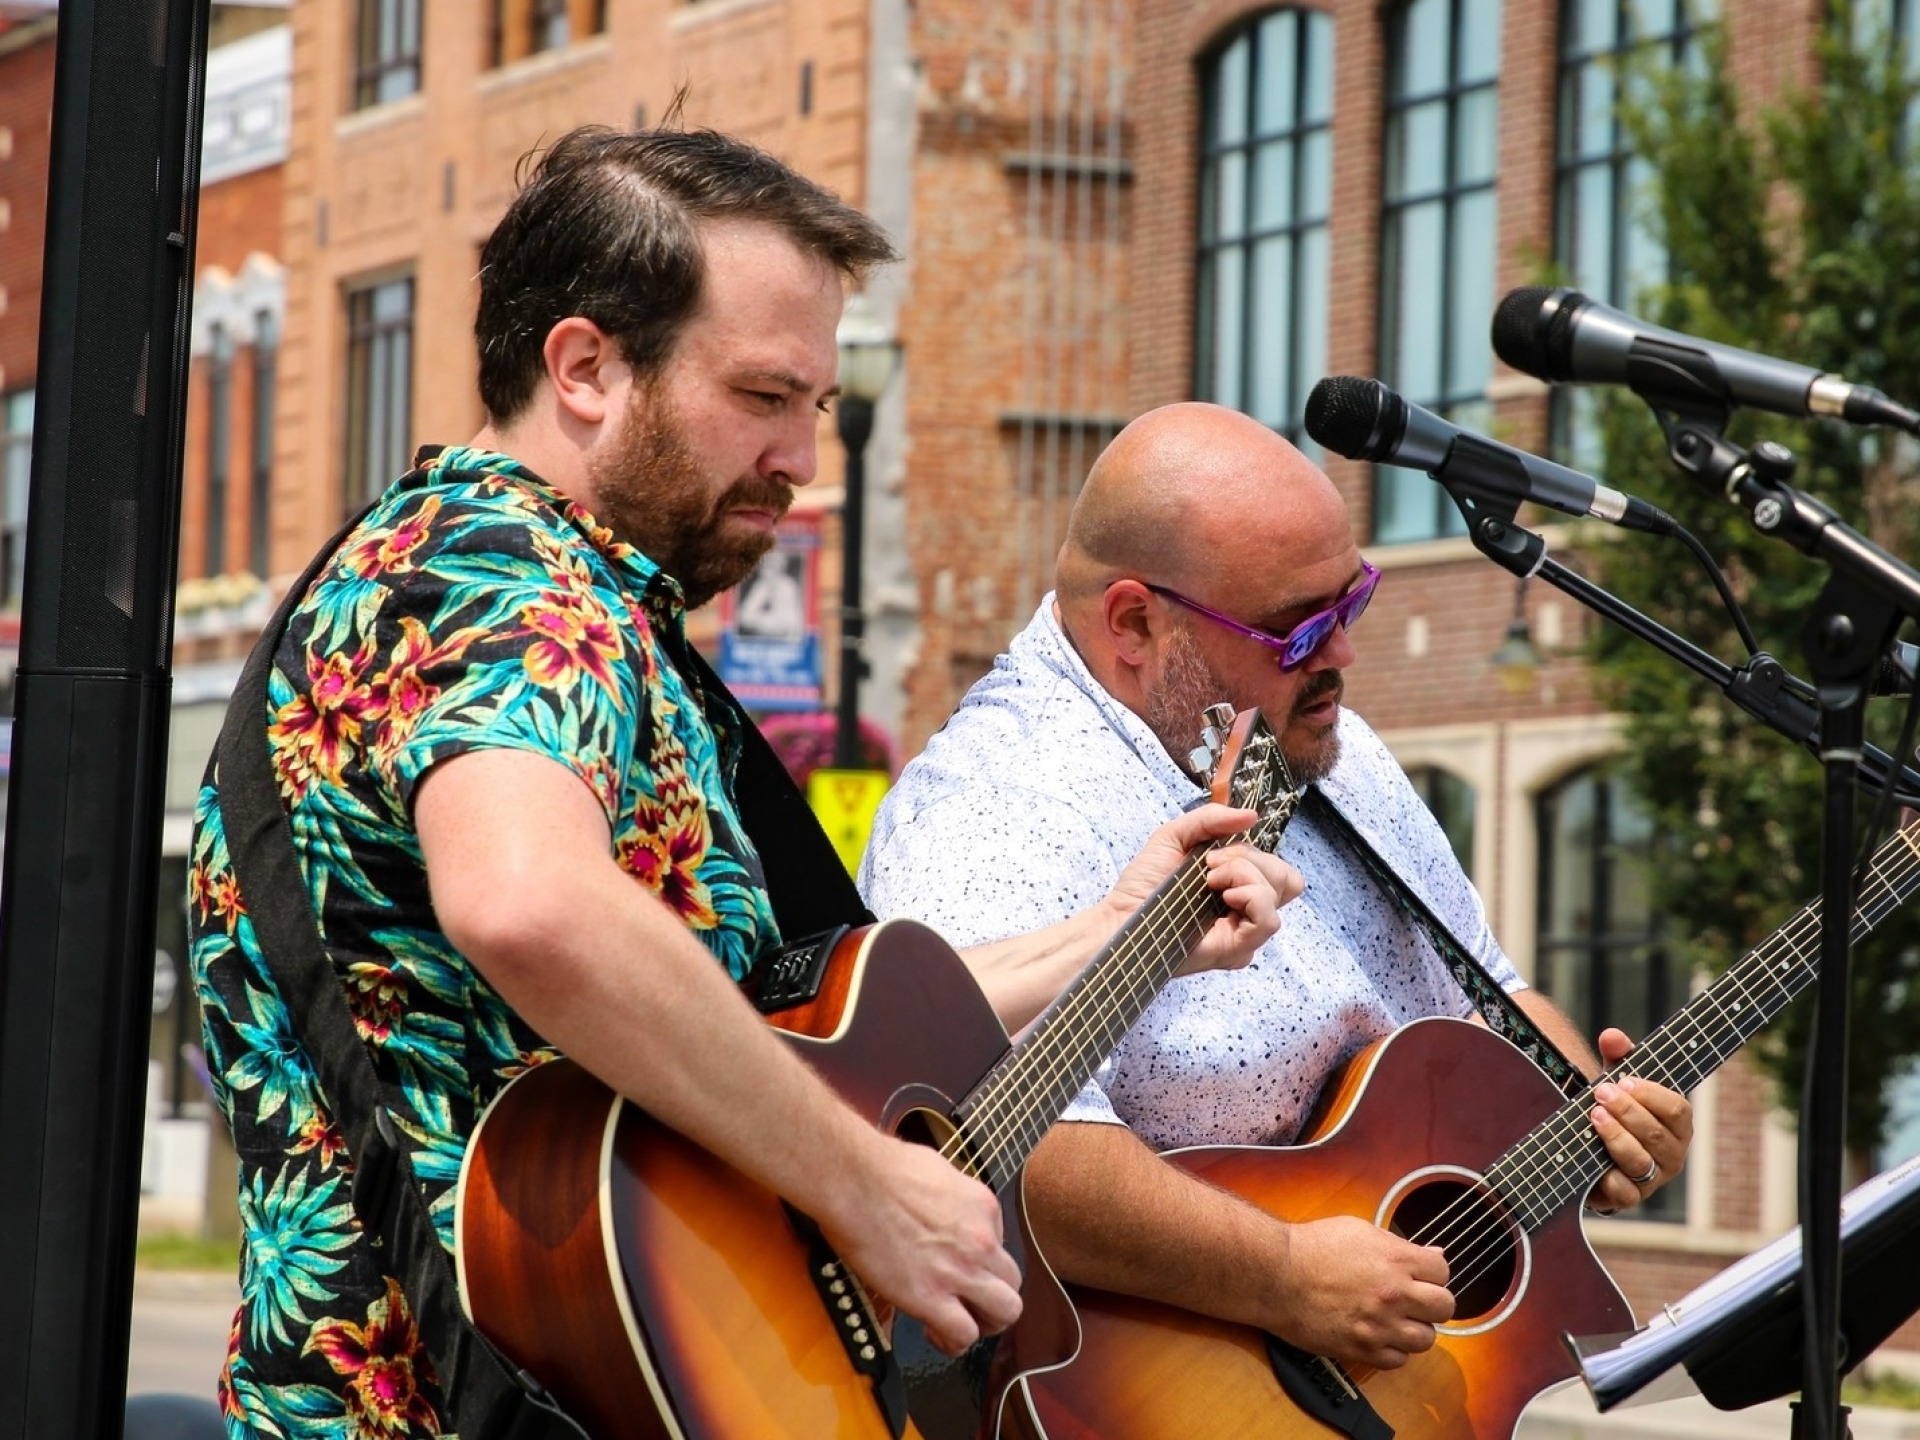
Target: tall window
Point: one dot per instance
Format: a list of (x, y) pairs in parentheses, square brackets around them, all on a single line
[(266, 364), (386, 58), (1598, 947), (1601, 240), (1438, 236), (1265, 179), (219, 446), (379, 386), (528, 27), (16, 454), (1451, 800)]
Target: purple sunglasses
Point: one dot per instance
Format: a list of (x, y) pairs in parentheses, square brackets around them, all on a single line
[(1299, 644)]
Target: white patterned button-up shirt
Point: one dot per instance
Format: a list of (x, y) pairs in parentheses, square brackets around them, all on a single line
[(1025, 807)]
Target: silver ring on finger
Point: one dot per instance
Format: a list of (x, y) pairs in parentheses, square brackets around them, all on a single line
[(1653, 1173)]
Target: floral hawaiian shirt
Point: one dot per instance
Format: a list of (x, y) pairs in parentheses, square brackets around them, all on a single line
[(474, 607)]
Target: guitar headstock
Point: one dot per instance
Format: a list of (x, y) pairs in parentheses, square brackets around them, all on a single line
[(1240, 762)]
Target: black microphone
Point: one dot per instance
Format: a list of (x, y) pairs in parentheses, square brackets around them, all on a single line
[(1564, 335), (1897, 670), (1364, 420)]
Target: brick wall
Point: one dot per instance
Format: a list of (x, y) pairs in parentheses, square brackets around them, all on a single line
[(26, 106), (416, 185)]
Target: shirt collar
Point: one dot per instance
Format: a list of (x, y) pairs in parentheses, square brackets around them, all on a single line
[(1053, 647), (660, 591)]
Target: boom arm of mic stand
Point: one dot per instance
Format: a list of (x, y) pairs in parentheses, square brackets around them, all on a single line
[(1762, 687)]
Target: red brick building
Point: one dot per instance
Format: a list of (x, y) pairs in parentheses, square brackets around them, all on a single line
[(1117, 206), (1105, 205)]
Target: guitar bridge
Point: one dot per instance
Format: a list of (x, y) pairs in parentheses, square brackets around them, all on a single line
[(861, 1336), (1323, 1392)]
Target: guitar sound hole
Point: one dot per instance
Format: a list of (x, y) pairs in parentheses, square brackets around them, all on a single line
[(1481, 1246)]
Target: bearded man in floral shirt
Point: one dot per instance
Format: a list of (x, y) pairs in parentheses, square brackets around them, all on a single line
[(511, 798)]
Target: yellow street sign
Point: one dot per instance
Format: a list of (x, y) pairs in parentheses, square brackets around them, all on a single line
[(844, 801)]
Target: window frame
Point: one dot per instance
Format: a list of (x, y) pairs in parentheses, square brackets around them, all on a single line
[(1431, 783), (1448, 199), (266, 376), (387, 45), (379, 357), (1304, 221), (518, 29), (1569, 430), (16, 460), (219, 451), (1598, 947)]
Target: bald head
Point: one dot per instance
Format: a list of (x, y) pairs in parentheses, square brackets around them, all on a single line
[(1187, 491)]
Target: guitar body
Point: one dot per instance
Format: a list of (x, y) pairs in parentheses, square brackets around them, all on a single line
[(657, 1292), (1409, 1125)]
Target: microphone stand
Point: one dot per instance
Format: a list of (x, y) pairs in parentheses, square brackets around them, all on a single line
[(1867, 594), (1851, 624), (1761, 686)]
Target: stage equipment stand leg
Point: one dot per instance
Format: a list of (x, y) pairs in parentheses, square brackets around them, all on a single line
[(1845, 632), (1798, 1407)]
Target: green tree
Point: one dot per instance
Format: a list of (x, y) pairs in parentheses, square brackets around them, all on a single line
[(1793, 228)]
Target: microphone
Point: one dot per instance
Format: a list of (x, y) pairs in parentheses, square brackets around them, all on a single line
[(1364, 420), (1895, 673), (1564, 335)]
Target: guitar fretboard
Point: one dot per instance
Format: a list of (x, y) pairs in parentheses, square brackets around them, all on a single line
[(1559, 1161), (1005, 1115)]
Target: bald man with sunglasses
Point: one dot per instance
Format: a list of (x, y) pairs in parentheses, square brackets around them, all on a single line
[(1206, 559)]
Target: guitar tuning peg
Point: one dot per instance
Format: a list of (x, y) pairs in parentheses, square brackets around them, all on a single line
[(1215, 721), (1200, 763)]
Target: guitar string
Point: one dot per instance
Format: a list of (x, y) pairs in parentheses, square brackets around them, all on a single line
[(1005, 1123), (1571, 1128), (1135, 984), (1755, 986), (1573, 1117), (1011, 1089), (1003, 1105), (1896, 883)]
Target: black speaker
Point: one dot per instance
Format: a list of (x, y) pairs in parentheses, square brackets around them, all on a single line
[(89, 738)]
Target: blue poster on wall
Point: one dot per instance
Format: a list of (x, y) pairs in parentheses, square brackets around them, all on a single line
[(770, 624)]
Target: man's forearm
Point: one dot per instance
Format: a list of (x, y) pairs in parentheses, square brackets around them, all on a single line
[(1111, 1214)]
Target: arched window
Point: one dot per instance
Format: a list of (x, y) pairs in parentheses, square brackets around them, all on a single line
[(1597, 948), (1265, 182), (1600, 241), (1438, 237), (1452, 801)]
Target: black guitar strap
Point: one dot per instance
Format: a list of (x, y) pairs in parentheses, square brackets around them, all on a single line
[(1503, 1017), (809, 887), (490, 1398)]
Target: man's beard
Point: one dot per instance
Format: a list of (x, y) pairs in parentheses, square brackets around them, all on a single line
[(652, 492), (1188, 685)]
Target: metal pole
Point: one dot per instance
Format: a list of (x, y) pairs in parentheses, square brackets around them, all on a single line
[(89, 742), (855, 417)]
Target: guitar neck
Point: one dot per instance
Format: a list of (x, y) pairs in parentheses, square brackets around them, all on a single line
[(1005, 1115), (1563, 1157)]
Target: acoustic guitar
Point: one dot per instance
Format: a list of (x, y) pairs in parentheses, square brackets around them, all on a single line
[(1446, 1134), (655, 1291)]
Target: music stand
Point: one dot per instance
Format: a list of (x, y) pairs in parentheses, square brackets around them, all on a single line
[(1739, 1336)]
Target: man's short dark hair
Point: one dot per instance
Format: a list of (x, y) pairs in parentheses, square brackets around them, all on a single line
[(607, 226)]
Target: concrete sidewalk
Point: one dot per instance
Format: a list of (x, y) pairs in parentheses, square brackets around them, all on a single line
[(1568, 1414)]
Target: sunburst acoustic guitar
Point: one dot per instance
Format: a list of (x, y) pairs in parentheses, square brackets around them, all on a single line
[(1444, 1133), (657, 1292)]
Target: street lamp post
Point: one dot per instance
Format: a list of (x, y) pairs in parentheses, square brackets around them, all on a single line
[(868, 355)]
